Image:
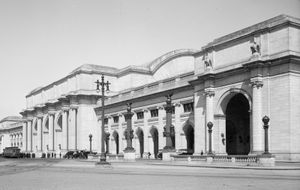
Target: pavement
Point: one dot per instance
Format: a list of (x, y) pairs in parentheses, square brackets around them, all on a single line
[(280, 165), (141, 163)]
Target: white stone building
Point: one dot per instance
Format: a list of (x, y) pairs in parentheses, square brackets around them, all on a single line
[(233, 82), (11, 134)]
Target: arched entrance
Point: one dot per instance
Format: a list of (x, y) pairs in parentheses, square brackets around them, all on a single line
[(107, 142), (189, 135), (154, 134), (116, 138), (238, 125), (140, 135)]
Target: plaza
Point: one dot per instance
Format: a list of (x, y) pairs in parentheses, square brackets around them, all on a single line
[(74, 174), (207, 102)]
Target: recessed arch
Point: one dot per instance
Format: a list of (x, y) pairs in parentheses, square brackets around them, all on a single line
[(154, 134), (140, 135), (237, 125), (58, 120), (115, 135), (221, 105), (34, 124), (46, 123), (188, 130)]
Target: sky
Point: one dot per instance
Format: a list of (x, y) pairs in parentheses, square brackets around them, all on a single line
[(43, 41)]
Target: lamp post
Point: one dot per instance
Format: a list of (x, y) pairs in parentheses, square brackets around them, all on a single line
[(168, 133), (266, 120), (90, 136), (129, 131), (209, 125), (102, 84)]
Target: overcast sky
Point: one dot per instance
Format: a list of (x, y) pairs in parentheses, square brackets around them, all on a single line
[(42, 41)]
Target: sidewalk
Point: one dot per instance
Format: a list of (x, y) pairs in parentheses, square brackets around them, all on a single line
[(280, 165)]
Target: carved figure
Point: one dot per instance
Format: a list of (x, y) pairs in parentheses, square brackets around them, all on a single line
[(207, 61), (255, 49)]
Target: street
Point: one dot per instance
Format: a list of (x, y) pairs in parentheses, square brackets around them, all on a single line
[(71, 174)]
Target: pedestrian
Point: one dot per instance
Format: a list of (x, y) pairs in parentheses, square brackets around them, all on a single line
[(149, 154)]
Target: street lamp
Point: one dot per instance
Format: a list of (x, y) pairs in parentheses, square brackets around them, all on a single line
[(102, 84), (90, 136)]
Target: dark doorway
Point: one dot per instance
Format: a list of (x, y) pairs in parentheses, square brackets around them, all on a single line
[(189, 135), (154, 134), (141, 141), (116, 138), (238, 126)]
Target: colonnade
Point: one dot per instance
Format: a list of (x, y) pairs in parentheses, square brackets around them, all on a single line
[(51, 131), (144, 136), (16, 139)]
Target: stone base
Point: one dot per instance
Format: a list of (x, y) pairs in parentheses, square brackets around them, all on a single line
[(92, 157), (209, 159), (267, 160), (38, 155), (166, 154), (129, 155)]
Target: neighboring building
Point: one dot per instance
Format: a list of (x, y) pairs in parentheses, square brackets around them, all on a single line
[(11, 134), (233, 82)]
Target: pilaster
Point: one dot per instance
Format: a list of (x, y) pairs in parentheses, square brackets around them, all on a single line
[(257, 130), (209, 102), (178, 126), (51, 131)]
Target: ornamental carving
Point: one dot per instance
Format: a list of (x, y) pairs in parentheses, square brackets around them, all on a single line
[(209, 92), (207, 62)]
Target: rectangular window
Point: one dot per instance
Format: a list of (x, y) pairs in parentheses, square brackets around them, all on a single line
[(116, 119), (140, 115), (105, 121), (154, 113), (173, 109), (189, 107)]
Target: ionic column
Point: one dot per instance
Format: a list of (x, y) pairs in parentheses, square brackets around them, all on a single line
[(65, 130), (209, 114), (146, 131), (39, 133), (178, 127), (73, 128), (51, 131), (200, 126), (24, 139), (122, 145), (160, 128), (29, 137), (257, 129)]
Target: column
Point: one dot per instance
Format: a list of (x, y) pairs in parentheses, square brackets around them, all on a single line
[(200, 127), (73, 128), (160, 128), (121, 133), (257, 129), (39, 134), (65, 131), (29, 132), (24, 139), (178, 127), (209, 112), (146, 132), (51, 131)]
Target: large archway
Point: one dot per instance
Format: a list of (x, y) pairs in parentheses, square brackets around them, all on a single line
[(238, 125), (154, 134), (189, 135), (116, 138), (140, 135)]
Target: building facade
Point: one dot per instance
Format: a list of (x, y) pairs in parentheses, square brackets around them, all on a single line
[(232, 82), (11, 134)]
